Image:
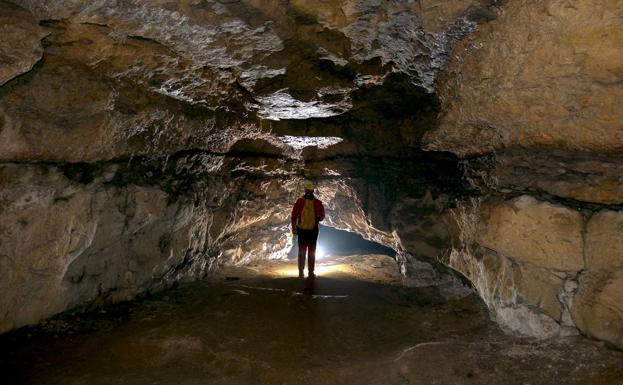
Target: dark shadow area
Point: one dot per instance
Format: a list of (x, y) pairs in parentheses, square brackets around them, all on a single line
[(261, 330), (332, 241), (229, 333)]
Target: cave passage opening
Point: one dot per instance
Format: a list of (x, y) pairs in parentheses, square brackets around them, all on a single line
[(345, 253), (336, 242)]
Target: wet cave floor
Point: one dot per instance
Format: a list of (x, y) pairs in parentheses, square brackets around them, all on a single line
[(354, 324)]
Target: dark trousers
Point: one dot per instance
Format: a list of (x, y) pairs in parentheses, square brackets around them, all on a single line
[(307, 245)]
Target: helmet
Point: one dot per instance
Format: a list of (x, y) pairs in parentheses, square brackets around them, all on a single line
[(308, 185)]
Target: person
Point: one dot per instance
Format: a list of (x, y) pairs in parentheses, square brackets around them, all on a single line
[(307, 212)]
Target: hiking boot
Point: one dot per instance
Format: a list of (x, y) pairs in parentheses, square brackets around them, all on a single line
[(301, 275)]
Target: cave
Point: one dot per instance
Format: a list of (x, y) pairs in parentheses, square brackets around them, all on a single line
[(468, 155), (333, 241)]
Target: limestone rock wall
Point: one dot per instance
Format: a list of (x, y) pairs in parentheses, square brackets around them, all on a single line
[(398, 203), (102, 232), (106, 234), (20, 48), (543, 268), (64, 244), (531, 102), (597, 305), (542, 74)]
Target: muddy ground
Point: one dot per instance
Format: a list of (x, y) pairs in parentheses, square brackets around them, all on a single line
[(354, 324)]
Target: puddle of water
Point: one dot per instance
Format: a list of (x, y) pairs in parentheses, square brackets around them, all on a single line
[(356, 324)]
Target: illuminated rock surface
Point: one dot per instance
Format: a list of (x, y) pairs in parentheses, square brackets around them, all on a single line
[(544, 75), (144, 143)]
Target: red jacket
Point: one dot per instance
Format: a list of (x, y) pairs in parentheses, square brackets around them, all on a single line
[(298, 209)]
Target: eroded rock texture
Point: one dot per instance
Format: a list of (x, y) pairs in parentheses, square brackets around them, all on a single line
[(544, 268), (543, 74), (20, 47), (143, 143), (110, 231)]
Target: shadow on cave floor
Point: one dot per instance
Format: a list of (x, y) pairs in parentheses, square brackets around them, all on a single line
[(354, 324)]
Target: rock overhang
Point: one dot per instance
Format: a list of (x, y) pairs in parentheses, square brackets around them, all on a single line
[(283, 60)]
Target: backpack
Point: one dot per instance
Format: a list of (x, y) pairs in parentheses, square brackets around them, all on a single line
[(308, 216)]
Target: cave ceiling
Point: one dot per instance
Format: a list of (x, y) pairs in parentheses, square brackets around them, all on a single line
[(157, 77)]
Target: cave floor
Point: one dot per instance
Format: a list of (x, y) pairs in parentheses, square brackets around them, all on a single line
[(354, 324)]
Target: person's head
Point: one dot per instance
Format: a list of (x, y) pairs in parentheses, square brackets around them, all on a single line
[(309, 187)]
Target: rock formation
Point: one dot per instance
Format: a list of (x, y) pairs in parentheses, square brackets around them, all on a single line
[(145, 143), (532, 102)]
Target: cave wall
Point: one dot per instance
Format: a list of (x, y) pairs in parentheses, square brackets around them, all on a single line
[(543, 74), (94, 233), (532, 103), (401, 203), (545, 269), (144, 143), (100, 233)]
